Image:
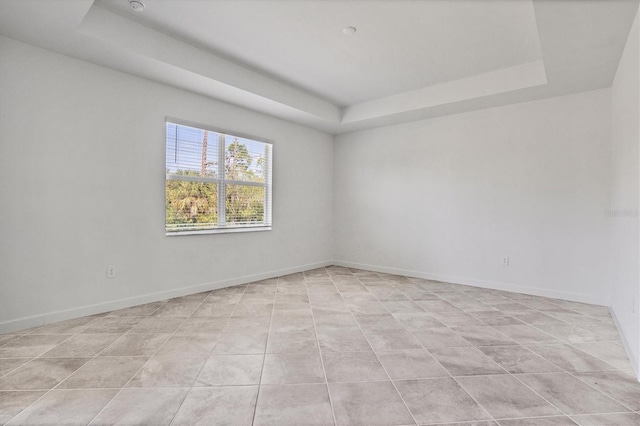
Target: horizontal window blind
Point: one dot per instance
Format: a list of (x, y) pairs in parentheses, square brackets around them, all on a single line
[(216, 182)]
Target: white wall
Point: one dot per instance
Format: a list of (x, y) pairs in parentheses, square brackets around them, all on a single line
[(82, 186), (625, 193), (447, 198)]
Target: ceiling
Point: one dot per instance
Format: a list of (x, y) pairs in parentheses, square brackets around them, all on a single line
[(408, 60)]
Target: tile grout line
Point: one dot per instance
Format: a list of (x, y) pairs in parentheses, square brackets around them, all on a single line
[(474, 346), (264, 354), (559, 341), (425, 349), (562, 369), (590, 371), (150, 357), (374, 351), (31, 358), (210, 351), (507, 372), (89, 360), (39, 356), (315, 332), (516, 377)]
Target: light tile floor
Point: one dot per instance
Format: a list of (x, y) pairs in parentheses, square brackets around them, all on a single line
[(328, 346)]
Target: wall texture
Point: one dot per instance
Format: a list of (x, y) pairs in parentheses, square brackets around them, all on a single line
[(82, 186), (625, 193), (448, 198)]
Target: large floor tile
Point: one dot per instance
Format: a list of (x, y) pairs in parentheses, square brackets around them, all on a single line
[(373, 322), (157, 325), (622, 419), (518, 359), (213, 310), (202, 326), (569, 333), (466, 361), (569, 358), (13, 402), (368, 403), (136, 345), (213, 406), (495, 318), (104, 372), (439, 337), (241, 343), (620, 386), (289, 323), (570, 394), (611, 352), (292, 368), (418, 321), (389, 340), (411, 364), (188, 345), (347, 340), (483, 336), (540, 421), (480, 423), (525, 334), (535, 318), (41, 373), (6, 338), (457, 319), (505, 397), (82, 345), (293, 342), (230, 370), (353, 367), (65, 407), (440, 400), (142, 407), (168, 371), (335, 322), (293, 405), (9, 364), (112, 325), (247, 324), (606, 331), (30, 345)]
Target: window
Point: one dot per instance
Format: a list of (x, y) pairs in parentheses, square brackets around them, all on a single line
[(216, 182)]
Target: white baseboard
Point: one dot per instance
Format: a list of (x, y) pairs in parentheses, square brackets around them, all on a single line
[(494, 285), (81, 311), (633, 358)]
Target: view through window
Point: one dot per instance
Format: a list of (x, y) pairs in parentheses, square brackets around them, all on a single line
[(216, 182)]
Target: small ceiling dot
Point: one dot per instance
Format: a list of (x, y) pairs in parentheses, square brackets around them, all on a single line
[(349, 30)]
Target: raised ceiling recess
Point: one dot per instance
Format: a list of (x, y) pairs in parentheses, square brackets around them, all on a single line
[(340, 66)]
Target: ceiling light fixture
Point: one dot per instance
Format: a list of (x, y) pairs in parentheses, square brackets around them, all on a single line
[(136, 5), (349, 30)]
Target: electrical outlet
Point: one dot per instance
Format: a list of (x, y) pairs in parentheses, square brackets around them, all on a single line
[(111, 271), (505, 261)]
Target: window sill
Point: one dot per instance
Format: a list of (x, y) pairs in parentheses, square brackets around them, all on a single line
[(219, 231)]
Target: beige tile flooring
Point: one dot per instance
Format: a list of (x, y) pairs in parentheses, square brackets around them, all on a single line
[(328, 346)]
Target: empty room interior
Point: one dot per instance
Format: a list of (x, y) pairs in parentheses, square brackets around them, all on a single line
[(287, 212)]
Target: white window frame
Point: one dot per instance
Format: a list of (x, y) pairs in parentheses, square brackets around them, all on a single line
[(223, 228)]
